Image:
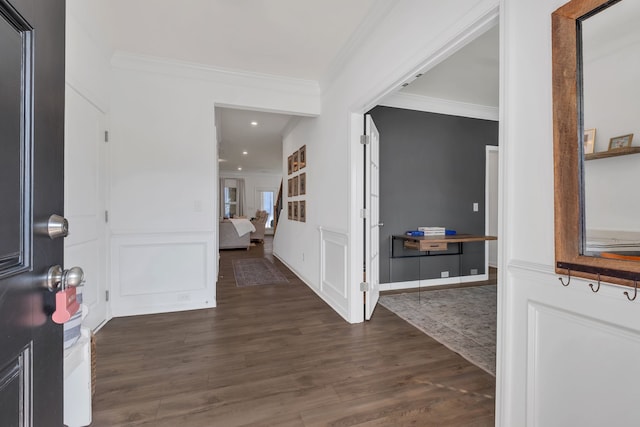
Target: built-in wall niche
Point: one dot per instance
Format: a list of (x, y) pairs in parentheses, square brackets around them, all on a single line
[(297, 185)]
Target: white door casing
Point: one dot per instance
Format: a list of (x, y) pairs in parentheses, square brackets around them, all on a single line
[(372, 220), (85, 200), (491, 203)]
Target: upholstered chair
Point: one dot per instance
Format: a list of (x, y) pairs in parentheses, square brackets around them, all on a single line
[(259, 222)]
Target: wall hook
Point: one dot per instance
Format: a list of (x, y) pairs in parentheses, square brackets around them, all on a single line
[(598, 288), (635, 293), (568, 280)]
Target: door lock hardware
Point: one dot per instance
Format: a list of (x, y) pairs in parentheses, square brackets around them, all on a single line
[(55, 226), (57, 278)]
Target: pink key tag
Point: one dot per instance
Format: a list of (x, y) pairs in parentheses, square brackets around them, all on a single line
[(66, 305)]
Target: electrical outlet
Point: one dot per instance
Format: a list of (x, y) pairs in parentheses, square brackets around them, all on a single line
[(476, 206), (444, 274), (474, 271)]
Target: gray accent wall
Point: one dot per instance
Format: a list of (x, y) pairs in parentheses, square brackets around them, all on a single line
[(432, 170)]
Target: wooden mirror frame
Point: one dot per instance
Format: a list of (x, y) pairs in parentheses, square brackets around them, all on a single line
[(568, 154)]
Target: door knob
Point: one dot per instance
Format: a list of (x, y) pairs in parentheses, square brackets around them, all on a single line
[(59, 278), (381, 224)]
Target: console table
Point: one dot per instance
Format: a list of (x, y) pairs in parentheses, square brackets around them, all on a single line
[(432, 246)]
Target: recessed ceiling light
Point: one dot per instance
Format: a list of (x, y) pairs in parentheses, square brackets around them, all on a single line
[(254, 123), (245, 152), (239, 168)]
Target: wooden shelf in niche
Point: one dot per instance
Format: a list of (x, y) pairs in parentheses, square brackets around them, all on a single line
[(612, 153)]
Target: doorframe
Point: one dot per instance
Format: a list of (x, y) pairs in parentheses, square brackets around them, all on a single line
[(488, 192), (406, 74)]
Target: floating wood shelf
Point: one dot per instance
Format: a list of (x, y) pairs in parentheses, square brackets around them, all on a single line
[(612, 153)]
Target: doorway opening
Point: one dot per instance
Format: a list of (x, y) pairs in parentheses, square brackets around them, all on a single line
[(452, 127)]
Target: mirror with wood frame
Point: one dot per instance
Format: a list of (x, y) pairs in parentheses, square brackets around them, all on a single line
[(597, 235)]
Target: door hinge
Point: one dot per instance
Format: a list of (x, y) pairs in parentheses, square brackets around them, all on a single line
[(365, 139), (364, 287), (106, 136), (106, 216), (106, 295), (364, 213)]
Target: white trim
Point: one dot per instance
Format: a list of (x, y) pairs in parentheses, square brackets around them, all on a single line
[(314, 289), (504, 372), (410, 101), (190, 70), (489, 149), (236, 175), (477, 21), (356, 232), (427, 283)]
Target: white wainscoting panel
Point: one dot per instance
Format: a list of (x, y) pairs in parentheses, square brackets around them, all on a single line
[(574, 360), (567, 356), (334, 261), (162, 273)]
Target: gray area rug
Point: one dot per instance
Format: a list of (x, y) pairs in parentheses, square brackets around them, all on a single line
[(463, 319), (256, 271)]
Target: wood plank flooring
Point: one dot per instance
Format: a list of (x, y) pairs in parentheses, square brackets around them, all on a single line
[(276, 355)]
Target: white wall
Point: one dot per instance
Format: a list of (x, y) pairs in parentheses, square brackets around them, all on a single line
[(164, 175), (565, 355), (610, 191)]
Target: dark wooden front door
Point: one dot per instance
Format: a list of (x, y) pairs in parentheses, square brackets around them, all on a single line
[(31, 189)]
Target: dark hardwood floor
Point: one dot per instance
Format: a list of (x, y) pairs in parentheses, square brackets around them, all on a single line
[(278, 356)]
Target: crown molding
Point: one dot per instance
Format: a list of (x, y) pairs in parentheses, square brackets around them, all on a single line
[(428, 104), (190, 70), (243, 174)]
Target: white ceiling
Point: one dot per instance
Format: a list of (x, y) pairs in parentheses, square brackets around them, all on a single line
[(290, 38), (263, 143), (471, 75)]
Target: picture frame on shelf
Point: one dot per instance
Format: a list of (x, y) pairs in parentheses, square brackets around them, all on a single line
[(302, 157), (589, 141), (620, 141), (303, 184)]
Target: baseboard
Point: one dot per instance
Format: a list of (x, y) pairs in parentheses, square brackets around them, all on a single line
[(425, 283), (156, 309), (331, 304)]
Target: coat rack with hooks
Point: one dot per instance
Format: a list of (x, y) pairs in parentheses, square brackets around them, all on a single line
[(600, 272)]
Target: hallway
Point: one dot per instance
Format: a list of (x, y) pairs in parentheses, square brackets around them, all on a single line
[(277, 355)]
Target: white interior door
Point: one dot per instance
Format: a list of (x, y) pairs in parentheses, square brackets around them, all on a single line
[(85, 195), (372, 221)]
